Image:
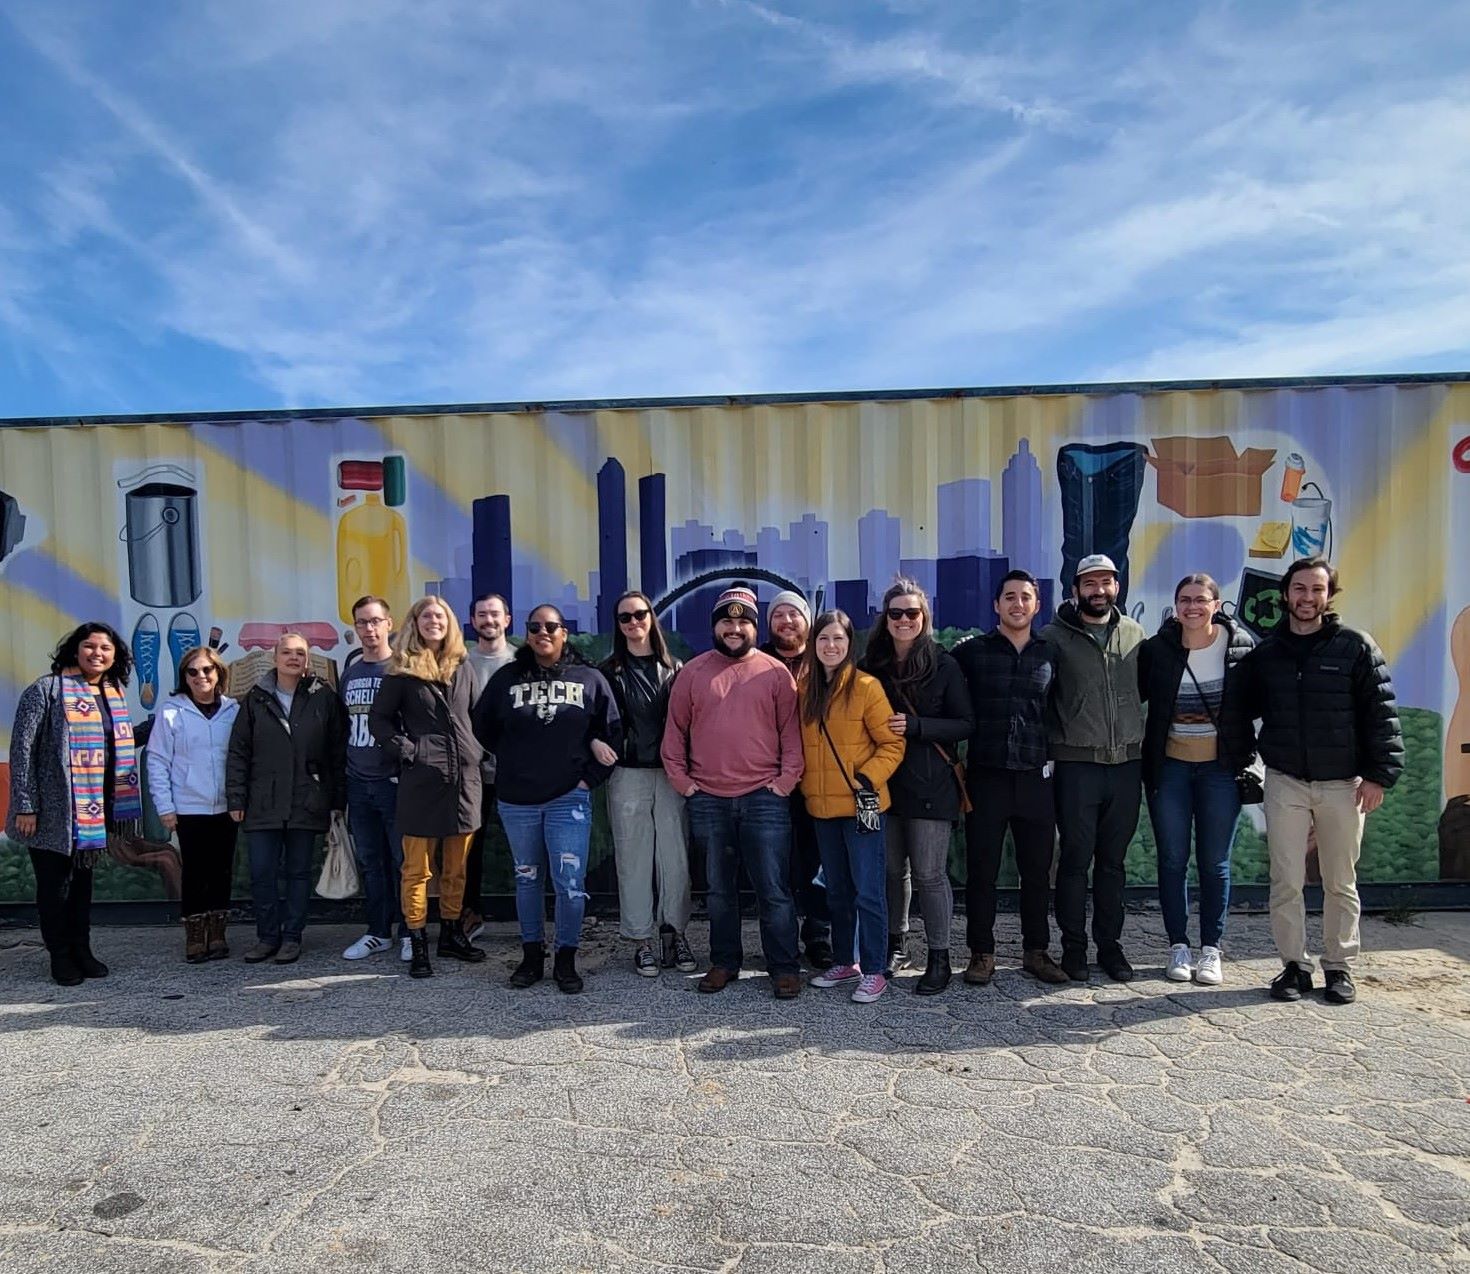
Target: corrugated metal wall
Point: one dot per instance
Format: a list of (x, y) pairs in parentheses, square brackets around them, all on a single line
[(167, 530)]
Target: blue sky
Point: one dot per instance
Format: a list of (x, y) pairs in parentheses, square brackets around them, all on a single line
[(211, 206)]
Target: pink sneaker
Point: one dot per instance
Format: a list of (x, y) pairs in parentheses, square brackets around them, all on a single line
[(837, 975), (870, 988)]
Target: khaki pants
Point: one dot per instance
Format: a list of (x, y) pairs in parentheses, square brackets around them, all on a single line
[(651, 844), (418, 854), (1293, 808)]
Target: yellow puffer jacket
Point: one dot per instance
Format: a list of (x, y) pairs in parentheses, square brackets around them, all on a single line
[(857, 720)]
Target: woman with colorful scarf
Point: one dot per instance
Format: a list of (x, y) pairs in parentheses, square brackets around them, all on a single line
[(74, 786)]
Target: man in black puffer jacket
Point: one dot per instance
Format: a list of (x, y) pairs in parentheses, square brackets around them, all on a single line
[(1331, 742)]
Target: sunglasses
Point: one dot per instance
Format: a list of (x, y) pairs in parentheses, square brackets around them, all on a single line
[(633, 616), (208, 670), (550, 627), (896, 613)]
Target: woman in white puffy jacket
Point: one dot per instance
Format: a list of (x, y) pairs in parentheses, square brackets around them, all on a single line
[(186, 779)]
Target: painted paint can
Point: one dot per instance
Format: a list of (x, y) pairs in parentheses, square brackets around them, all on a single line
[(161, 531)]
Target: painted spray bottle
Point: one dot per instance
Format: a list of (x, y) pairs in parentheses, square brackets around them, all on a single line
[(372, 535)]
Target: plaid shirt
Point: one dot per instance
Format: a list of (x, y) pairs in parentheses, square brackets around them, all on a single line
[(1009, 689)]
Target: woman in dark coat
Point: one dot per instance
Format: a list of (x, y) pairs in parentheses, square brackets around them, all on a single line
[(73, 786), (285, 775), (422, 715), (932, 713), (1196, 741)]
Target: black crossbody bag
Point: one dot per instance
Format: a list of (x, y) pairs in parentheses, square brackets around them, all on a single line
[(1250, 783), (868, 814)]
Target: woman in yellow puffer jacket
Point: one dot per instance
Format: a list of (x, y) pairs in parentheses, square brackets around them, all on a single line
[(850, 752)]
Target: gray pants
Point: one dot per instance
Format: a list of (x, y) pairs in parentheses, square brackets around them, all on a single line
[(650, 843), (924, 843)]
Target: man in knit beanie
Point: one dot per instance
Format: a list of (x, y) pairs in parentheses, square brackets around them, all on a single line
[(732, 748)]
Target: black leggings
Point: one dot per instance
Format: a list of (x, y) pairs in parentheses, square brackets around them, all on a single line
[(207, 851), (63, 901)]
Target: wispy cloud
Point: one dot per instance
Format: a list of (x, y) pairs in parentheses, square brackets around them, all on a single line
[(383, 202)]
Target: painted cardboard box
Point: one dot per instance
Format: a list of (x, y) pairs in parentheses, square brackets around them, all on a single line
[(1208, 478)]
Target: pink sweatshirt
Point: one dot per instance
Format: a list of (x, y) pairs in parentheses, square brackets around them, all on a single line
[(732, 726)]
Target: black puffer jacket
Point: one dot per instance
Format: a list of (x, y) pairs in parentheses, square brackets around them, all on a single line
[(923, 786), (1326, 705), (1161, 663), (426, 725), (288, 777)]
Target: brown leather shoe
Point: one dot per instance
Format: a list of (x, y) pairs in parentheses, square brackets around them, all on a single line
[(786, 986), (981, 970), (1043, 968), (717, 979), (196, 944)]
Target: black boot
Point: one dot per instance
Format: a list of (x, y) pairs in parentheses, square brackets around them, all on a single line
[(454, 945), (64, 969), (564, 970), (420, 967), (89, 964), (532, 967), (936, 973)]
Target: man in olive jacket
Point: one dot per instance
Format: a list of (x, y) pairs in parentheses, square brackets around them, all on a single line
[(1094, 725), (1331, 742)]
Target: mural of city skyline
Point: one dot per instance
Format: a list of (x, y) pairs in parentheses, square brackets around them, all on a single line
[(960, 579)]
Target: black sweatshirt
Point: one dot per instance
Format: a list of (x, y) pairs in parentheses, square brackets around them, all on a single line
[(540, 723)]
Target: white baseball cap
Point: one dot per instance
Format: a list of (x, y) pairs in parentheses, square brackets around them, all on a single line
[(1094, 564)]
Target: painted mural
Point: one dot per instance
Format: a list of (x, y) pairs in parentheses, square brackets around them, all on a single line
[(231, 531)]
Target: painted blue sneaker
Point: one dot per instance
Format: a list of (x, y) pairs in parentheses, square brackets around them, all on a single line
[(183, 636), (147, 643)]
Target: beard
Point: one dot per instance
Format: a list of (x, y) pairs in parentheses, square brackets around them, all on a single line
[(788, 643), (1095, 606), (736, 652)]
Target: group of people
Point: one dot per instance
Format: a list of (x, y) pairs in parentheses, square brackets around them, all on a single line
[(833, 783)]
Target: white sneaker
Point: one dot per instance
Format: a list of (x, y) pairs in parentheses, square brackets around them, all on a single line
[(405, 949), (365, 946), (1207, 971), (1181, 963)]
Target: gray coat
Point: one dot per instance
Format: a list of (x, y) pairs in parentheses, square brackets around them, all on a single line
[(40, 768)]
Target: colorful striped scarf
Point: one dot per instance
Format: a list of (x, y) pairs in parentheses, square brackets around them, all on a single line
[(86, 738)]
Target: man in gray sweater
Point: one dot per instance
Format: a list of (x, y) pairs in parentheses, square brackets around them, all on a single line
[(1095, 735)]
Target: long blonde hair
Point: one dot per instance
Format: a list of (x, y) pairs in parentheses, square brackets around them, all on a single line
[(412, 658)]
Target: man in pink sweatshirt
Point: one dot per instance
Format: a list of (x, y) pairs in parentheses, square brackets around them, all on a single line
[(732, 746)]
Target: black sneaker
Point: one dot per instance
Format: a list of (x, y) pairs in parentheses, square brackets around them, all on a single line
[(1340, 988), (684, 959), (643, 962), (1074, 965), (898, 956), (1291, 983)]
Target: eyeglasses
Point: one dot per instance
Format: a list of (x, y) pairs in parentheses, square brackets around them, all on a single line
[(1193, 601), (895, 613), (633, 616), (550, 627), (376, 622), (206, 670)]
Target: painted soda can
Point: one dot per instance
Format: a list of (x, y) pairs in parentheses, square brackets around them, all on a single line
[(1291, 480)]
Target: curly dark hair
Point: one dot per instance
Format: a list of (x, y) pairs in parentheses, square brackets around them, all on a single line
[(69, 649)]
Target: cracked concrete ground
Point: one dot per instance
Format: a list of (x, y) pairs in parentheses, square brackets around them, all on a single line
[(333, 1116)]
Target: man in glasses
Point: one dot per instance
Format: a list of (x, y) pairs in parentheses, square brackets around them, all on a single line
[(790, 621), (372, 785), (1095, 733), (732, 748), (490, 618)]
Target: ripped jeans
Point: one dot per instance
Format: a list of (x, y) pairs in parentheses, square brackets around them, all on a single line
[(559, 832)]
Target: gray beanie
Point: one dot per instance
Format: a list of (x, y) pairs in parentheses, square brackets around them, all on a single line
[(787, 598)]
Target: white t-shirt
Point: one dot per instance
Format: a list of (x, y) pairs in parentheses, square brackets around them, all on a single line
[(1192, 735)]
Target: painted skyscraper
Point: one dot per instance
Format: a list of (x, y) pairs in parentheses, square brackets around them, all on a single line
[(653, 553), (964, 517), (878, 553), (490, 555), (612, 540), (1020, 513)]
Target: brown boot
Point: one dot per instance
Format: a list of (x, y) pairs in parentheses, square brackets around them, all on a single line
[(219, 949), (196, 948), (981, 970), (1043, 968)]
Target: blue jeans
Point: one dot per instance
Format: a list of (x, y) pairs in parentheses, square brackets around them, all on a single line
[(1197, 795), (754, 830), (284, 853), (559, 831), (371, 807), (855, 866)]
